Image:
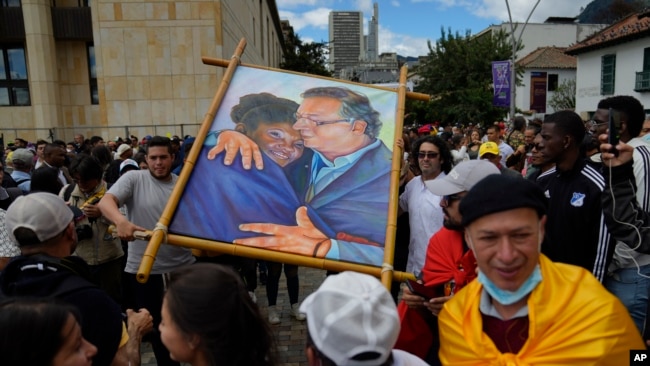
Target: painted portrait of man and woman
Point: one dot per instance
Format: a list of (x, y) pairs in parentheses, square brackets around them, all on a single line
[(294, 164)]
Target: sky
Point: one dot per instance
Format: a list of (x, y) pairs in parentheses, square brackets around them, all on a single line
[(405, 26)]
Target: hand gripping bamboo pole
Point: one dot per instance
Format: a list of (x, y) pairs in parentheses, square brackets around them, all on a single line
[(393, 199)]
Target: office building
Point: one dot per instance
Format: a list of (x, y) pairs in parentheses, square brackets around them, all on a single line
[(372, 40), (119, 67), (345, 39)]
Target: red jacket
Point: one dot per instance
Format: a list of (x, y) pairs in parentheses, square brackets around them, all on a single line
[(447, 259)]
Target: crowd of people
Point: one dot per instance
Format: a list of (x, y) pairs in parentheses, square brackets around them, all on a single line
[(530, 239), (583, 224)]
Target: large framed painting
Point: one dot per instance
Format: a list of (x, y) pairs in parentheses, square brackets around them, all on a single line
[(293, 166)]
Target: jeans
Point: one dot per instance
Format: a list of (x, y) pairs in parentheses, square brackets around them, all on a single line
[(293, 284), (632, 290)]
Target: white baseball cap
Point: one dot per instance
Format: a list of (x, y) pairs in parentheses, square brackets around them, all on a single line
[(462, 178), (351, 314), (45, 214), (129, 164)]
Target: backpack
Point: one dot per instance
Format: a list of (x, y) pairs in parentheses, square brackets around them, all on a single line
[(78, 277), (13, 192), (68, 191)]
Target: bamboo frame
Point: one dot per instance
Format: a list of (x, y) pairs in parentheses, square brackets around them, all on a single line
[(393, 200), (251, 252), (386, 273), (158, 235), (224, 63)]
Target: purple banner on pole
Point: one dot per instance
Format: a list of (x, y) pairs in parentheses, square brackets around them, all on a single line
[(501, 80)]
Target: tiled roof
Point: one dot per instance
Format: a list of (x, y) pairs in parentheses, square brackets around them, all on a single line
[(632, 27), (548, 58)]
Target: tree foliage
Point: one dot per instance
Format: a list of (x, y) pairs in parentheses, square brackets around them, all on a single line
[(564, 96), (609, 11), (458, 75), (305, 57)]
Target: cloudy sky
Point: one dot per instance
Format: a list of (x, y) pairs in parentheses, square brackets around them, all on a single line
[(406, 25)]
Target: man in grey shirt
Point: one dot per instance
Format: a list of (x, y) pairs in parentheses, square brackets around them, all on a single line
[(145, 194)]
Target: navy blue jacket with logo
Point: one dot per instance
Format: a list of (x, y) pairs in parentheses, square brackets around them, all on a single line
[(575, 228)]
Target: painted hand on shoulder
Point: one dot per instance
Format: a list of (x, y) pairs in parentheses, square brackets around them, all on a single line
[(304, 239), (233, 143)]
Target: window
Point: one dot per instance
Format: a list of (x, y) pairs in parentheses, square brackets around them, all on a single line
[(607, 74), (14, 88), (642, 83), (9, 3), (552, 82), (92, 75)]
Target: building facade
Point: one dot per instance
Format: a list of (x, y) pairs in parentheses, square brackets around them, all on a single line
[(116, 67), (615, 61), (555, 32), (346, 40), (545, 70), (372, 40)]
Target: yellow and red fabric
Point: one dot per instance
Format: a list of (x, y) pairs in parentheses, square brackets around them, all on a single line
[(573, 319)]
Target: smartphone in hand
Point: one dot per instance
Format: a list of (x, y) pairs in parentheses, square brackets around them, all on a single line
[(422, 290), (614, 126)]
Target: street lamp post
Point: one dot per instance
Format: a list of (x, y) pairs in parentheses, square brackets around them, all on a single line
[(513, 59)]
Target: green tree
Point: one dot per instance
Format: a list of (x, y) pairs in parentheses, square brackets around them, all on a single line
[(305, 57), (619, 9), (458, 75), (564, 96)]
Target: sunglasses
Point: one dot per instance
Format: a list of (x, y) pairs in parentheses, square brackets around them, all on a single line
[(428, 154), (452, 197), (595, 124)]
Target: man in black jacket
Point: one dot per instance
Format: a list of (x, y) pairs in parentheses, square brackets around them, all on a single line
[(575, 230)]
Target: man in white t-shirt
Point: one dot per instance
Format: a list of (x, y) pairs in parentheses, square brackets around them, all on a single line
[(145, 194), (425, 213), (494, 134)]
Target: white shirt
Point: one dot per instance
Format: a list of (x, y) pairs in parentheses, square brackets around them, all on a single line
[(505, 150), (8, 247), (459, 155), (425, 219), (624, 255)]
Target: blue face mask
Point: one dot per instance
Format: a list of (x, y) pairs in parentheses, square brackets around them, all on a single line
[(646, 138), (506, 297)]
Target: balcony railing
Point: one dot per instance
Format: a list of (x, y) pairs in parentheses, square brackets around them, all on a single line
[(72, 23), (642, 81)]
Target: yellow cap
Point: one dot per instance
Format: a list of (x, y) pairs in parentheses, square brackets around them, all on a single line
[(488, 148)]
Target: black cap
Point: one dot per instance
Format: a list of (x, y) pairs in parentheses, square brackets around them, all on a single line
[(497, 193)]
